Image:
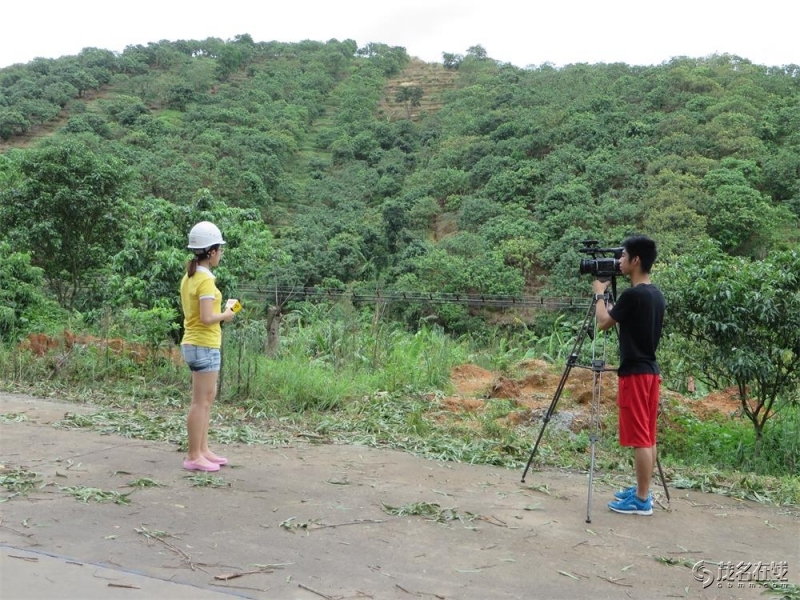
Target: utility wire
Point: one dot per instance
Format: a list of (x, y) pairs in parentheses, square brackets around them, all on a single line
[(280, 295)]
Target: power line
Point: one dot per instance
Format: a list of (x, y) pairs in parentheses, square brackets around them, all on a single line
[(281, 295)]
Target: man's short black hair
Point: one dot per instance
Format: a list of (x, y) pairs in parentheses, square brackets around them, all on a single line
[(643, 247)]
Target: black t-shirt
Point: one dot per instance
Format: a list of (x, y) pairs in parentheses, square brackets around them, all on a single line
[(640, 313)]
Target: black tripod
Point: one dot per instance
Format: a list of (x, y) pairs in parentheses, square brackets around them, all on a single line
[(597, 367)]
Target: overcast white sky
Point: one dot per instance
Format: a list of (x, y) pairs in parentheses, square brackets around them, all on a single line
[(521, 32)]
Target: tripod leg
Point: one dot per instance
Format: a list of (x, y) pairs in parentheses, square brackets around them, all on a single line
[(571, 361), (550, 410), (598, 366), (591, 482), (663, 480), (658, 462)]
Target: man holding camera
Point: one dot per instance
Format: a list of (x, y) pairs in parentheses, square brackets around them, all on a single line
[(639, 311)]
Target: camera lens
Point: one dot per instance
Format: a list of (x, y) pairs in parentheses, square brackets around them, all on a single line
[(586, 266), (600, 267)]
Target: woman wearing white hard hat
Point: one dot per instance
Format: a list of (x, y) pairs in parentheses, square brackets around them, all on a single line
[(202, 339)]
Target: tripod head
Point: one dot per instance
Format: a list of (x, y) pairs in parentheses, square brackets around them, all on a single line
[(612, 296), (604, 264)]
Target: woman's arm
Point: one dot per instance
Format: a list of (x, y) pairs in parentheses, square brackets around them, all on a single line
[(209, 317)]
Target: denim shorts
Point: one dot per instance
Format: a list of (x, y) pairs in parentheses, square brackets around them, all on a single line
[(201, 359)]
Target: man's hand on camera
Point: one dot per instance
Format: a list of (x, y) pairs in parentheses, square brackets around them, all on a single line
[(599, 287), (604, 320)]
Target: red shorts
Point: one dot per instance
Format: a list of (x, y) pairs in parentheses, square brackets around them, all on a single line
[(638, 408)]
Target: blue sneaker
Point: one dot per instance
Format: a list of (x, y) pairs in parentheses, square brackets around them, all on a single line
[(622, 494), (633, 506)]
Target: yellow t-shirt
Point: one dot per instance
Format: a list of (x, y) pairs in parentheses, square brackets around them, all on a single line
[(193, 289)]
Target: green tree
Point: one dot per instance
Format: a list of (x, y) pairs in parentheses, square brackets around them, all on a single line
[(21, 291), (179, 94), (387, 59), (739, 216), (67, 211), (12, 122), (478, 52), (81, 79), (147, 268), (60, 93), (452, 61), (465, 263), (743, 318), (410, 96), (668, 212)]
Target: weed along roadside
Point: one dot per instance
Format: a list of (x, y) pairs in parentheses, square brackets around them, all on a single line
[(302, 513)]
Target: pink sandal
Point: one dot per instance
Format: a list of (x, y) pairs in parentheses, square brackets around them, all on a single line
[(200, 464), (217, 460)]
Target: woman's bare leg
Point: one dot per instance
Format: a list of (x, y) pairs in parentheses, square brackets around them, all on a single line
[(204, 390)]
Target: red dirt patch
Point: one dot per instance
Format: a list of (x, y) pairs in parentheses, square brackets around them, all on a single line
[(725, 402), (454, 404), (534, 385), (41, 345), (470, 380)]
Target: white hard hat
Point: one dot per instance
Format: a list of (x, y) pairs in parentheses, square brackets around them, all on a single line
[(204, 235)]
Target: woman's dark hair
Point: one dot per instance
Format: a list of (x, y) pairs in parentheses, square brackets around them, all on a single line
[(191, 266), (643, 247)]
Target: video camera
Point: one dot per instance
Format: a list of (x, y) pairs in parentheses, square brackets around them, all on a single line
[(604, 263)]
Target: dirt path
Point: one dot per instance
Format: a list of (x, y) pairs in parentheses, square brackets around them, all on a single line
[(307, 522)]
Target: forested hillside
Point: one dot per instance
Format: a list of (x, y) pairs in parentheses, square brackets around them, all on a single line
[(328, 164)]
